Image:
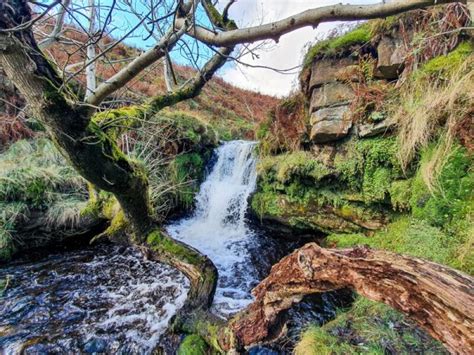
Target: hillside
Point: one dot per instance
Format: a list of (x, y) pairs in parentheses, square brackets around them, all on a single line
[(231, 110)]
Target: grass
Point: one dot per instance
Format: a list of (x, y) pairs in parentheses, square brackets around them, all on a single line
[(368, 328), (35, 176), (426, 105), (338, 44)]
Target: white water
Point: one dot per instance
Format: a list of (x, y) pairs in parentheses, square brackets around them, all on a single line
[(218, 227)]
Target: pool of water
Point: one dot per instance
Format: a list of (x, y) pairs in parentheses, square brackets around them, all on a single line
[(99, 299)]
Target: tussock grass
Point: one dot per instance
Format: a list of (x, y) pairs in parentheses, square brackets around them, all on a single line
[(35, 172), (35, 176), (429, 107)]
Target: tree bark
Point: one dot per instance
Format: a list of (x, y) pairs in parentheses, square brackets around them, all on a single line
[(439, 299)]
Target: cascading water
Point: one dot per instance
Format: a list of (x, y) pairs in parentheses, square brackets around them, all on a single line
[(107, 299), (102, 299), (218, 227)]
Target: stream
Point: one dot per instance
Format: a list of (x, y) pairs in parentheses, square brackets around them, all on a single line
[(108, 299)]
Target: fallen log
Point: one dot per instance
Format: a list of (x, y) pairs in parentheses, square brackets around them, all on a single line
[(439, 299)]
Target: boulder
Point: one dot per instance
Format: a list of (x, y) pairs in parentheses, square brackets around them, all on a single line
[(391, 57), (334, 113), (327, 70), (330, 124), (330, 94), (374, 129)]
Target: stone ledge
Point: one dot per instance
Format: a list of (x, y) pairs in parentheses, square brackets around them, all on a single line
[(330, 94)]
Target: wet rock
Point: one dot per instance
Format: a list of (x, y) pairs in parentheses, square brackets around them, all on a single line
[(391, 57), (261, 350), (315, 215), (374, 129), (330, 124), (327, 70), (95, 345), (330, 94)]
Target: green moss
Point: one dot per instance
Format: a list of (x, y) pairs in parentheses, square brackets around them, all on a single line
[(400, 194), (290, 166), (193, 345), (118, 225), (411, 236), (454, 194), (117, 121), (383, 25), (367, 328), (161, 243), (333, 46), (370, 166), (266, 204), (445, 65)]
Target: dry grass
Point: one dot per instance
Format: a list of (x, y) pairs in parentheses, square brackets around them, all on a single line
[(427, 108)]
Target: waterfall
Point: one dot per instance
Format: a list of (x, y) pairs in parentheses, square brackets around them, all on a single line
[(218, 227)]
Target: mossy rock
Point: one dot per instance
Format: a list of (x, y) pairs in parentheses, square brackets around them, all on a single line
[(193, 345), (444, 66), (339, 45)]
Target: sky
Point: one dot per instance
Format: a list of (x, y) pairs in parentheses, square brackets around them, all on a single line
[(287, 53)]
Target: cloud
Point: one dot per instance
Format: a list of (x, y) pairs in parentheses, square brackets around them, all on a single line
[(288, 53)]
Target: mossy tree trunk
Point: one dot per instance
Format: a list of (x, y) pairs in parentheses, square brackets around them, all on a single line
[(96, 155)]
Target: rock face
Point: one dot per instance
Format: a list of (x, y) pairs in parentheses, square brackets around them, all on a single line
[(374, 129), (391, 57), (327, 70), (330, 94), (330, 124)]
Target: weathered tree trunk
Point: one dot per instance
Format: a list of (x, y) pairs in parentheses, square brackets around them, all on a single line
[(93, 153), (439, 299)]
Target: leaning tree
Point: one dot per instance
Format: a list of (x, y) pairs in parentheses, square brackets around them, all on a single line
[(438, 298)]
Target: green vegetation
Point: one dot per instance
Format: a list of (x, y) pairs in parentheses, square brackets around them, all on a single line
[(164, 245), (193, 345), (438, 223), (35, 176), (444, 66), (287, 167), (367, 328), (338, 45)]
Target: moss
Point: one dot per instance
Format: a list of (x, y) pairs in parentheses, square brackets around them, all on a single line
[(161, 243), (118, 225), (193, 345), (367, 328), (290, 166), (116, 121), (370, 166), (332, 46), (266, 204), (408, 235), (445, 65), (383, 25), (454, 194), (400, 194)]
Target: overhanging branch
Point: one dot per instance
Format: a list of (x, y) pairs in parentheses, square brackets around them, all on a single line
[(313, 17)]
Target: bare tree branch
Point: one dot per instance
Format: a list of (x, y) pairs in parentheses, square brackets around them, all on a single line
[(58, 26), (193, 86), (91, 68), (313, 17)]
